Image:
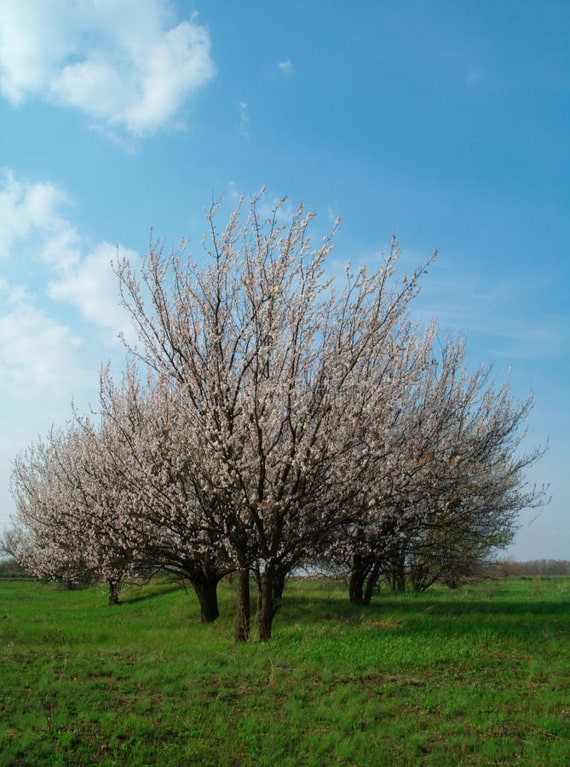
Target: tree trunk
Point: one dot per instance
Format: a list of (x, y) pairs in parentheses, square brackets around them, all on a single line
[(114, 591), (206, 591), (243, 606), (356, 581), (373, 577), (279, 585), (397, 577), (266, 605)]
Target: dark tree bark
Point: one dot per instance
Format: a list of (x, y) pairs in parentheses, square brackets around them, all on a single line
[(266, 604), (364, 575), (203, 575), (356, 581), (372, 580), (279, 586), (114, 591), (243, 606), (207, 592)]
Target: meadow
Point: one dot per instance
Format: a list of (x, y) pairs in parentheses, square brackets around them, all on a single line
[(476, 676)]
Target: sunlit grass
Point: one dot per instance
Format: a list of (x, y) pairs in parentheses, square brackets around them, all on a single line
[(479, 676)]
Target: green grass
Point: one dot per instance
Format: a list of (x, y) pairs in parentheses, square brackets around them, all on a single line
[(480, 676)]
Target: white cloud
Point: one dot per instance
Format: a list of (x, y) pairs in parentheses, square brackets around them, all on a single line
[(31, 224), (332, 217), (244, 118), (474, 77), (38, 354), (286, 66), (28, 209), (282, 208), (92, 287), (122, 62)]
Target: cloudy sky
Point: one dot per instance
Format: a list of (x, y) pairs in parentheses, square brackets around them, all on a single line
[(446, 123)]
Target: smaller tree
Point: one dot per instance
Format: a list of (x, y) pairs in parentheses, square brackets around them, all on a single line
[(457, 484), (45, 536), (143, 440)]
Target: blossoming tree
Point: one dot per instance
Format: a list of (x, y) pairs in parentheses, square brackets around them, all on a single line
[(279, 379)]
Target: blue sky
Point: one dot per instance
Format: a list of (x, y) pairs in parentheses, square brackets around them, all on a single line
[(446, 123)]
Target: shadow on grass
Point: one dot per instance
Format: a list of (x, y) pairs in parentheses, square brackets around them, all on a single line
[(422, 615), (143, 597)]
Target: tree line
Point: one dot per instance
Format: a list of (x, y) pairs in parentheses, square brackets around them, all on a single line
[(269, 417), (546, 568)]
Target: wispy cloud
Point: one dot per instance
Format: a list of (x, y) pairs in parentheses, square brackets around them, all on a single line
[(27, 209), (57, 272), (91, 286), (475, 77), (503, 316), (124, 64), (33, 224), (286, 67), (38, 354), (243, 118)]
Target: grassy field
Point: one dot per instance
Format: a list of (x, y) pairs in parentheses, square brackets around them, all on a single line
[(480, 676)]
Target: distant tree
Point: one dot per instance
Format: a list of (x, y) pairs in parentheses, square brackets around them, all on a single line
[(108, 498), (14, 545), (459, 485), (143, 442), (73, 509), (48, 536)]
